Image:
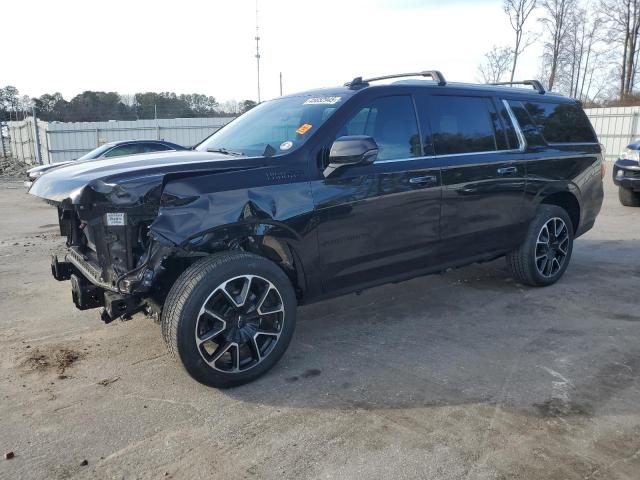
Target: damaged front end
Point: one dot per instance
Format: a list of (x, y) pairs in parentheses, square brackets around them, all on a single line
[(133, 227), (112, 259)]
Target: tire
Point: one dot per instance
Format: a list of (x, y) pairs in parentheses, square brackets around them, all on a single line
[(532, 264), (245, 303), (628, 197)]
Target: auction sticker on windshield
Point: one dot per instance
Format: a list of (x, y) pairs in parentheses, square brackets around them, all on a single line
[(304, 128), (322, 101)]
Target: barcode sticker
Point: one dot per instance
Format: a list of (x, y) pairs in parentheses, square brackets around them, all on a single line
[(115, 219)]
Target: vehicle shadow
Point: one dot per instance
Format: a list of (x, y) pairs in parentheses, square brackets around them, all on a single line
[(471, 336)]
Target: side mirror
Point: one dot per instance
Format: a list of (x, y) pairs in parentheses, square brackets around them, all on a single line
[(351, 150)]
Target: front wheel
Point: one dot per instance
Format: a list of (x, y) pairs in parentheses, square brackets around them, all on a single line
[(229, 318), (544, 255), (628, 197)]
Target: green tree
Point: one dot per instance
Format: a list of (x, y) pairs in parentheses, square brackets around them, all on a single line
[(51, 107), (200, 105), (166, 104), (10, 103), (97, 106), (246, 105)]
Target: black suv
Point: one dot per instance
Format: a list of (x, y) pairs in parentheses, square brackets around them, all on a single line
[(319, 194)]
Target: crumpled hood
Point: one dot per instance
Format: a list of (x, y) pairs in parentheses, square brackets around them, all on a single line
[(127, 180)]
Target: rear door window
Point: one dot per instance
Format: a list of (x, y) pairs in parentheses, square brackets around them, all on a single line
[(560, 122), (460, 124)]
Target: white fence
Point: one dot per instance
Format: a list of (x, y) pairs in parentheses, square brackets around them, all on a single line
[(616, 127), (68, 141), (22, 145)]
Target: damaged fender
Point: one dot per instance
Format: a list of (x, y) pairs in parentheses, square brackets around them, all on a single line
[(207, 213)]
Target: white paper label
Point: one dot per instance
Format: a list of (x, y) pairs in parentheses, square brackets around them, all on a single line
[(322, 101), (115, 219)]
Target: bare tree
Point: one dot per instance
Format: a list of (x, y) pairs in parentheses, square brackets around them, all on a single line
[(623, 22), (496, 64), (518, 12), (556, 20), (592, 54)]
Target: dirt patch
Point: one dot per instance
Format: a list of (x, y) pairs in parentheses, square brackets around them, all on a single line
[(556, 407), (65, 358), (37, 361), (58, 359)]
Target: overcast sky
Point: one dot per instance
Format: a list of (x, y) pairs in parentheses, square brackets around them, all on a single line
[(188, 46)]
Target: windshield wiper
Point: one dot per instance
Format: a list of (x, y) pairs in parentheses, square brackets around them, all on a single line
[(225, 151)]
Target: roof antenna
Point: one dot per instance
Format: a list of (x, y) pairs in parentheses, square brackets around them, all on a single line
[(258, 51)]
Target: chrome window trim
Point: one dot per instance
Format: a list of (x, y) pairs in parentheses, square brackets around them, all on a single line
[(561, 144), (407, 159), (446, 167), (432, 157), (521, 140)]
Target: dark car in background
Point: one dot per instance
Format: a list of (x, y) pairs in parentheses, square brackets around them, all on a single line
[(626, 175), (319, 194), (108, 150)]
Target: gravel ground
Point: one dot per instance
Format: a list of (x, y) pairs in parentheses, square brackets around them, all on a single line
[(466, 375)]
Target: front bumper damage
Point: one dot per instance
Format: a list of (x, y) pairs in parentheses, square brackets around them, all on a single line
[(121, 298), (88, 293), (88, 290)]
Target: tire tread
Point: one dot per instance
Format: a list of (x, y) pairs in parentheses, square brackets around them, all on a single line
[(518, 260), (628, 197), (182, 289)]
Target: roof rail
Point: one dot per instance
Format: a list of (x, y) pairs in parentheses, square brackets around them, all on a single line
[(358, 82), (534, 83)]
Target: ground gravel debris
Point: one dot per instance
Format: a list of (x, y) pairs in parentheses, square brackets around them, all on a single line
[(12, 168)]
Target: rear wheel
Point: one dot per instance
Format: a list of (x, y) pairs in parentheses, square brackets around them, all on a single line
[(628, 197), (544, 255), (229, 318)]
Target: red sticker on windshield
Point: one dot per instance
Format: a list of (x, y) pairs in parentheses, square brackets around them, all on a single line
[(304, 128)]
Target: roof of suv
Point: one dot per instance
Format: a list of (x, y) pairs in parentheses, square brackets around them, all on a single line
[(440, 84)]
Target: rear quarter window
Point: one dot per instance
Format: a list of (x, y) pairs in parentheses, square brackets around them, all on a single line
[(560, 122)]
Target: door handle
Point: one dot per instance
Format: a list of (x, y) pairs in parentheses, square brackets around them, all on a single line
[(507, 171), (423, 180)]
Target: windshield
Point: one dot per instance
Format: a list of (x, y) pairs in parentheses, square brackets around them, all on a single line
[(274, 127), (96, 152)]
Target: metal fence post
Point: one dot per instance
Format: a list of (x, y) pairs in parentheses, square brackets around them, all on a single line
[(21, 157), (36, 136), (634, 127), (47, 147), (155, 114), (4, 152)]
